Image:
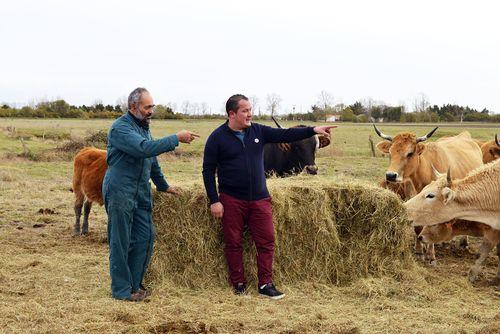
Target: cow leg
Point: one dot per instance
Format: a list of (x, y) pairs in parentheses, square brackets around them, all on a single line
[(86, 211), (430, 254), (419, 247), (498, 269), (484, 250), (78, 212)]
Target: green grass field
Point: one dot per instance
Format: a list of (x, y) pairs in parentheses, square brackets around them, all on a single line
[(51, 282)]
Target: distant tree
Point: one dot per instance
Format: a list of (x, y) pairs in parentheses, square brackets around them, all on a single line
[(347, 115), (186, 107), (420, 103), (123, 103), (254, 101), (325, 102), (357, 108), (98, 107), (273, 102), (204, 108), (172, 106), (392, 114), (163, 112), (376, 112)]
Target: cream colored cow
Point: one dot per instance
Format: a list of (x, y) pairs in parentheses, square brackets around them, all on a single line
[(475, 197)]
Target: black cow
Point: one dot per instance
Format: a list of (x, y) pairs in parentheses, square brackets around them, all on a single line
[(293, 158)]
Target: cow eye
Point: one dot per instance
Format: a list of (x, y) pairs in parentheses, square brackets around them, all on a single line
[(430, 196), (409, 155)]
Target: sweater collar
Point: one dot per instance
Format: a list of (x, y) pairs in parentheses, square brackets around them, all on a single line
[(226, 125)]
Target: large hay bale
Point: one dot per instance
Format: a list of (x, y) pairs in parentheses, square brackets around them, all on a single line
[(326, 232)]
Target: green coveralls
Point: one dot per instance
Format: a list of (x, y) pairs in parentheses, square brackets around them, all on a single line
[(131, 158)]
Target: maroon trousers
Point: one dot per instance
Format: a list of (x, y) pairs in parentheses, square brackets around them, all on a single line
[(258, 216)]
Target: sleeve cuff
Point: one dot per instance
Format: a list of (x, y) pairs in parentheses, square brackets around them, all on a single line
[(214, 199)]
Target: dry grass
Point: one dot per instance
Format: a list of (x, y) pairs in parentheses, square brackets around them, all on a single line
[(53, 283)]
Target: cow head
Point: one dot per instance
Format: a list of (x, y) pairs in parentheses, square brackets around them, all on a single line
[(491, 150), (301, 154), (405, 190), (434, 204), (436, 234), (404, 150)]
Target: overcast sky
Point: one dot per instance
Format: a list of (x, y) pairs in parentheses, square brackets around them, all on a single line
[(205, 51)]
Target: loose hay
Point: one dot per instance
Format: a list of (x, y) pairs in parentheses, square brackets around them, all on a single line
[(326, 232)]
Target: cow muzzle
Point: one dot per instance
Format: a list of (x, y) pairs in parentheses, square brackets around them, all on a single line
[(311, 169), (391, 176)]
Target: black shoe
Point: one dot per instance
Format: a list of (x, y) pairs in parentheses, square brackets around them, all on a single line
[(270, 291), (240, 289)]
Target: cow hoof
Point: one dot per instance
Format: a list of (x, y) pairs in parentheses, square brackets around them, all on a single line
[(472, 276), (76, 233), (420, 256), (85, 232)]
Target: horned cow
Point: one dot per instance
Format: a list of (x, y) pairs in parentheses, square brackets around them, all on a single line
[(411, 159), (293, 158), (475, 197), (491, 150), (89, 168)]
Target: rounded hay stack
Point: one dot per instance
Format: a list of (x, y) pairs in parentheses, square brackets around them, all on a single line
[(326, 232)]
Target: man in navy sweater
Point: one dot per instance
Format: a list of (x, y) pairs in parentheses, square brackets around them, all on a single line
[(236, 151)]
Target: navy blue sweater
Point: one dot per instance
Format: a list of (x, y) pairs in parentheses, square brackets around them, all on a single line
[(240, 165)]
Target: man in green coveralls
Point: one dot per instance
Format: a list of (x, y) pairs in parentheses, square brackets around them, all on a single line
[(131, 158)]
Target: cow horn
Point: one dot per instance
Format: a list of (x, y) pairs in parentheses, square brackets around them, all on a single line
[(436, 173), (386, 137), (496, 140), (427, 136), (448, 176), (276, 122)]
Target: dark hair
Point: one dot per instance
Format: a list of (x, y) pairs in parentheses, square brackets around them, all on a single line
[(135, 96), (232, 102)]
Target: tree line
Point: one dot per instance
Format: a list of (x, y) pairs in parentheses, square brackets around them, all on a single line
[(361, 111)]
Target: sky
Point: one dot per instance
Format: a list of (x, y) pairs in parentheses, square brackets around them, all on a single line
[(205, 51)]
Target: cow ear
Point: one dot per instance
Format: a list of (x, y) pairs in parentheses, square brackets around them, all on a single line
[(323, 141), (285, 147), (448, 195), (384, 146), (420, 148)]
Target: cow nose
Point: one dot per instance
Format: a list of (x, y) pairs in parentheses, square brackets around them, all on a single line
[(311, 169), (391, 176), (420, 238)]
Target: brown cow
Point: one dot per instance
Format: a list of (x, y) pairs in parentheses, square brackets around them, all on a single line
[(445, 232), (88, 172), (491, 150), (412, 159)]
